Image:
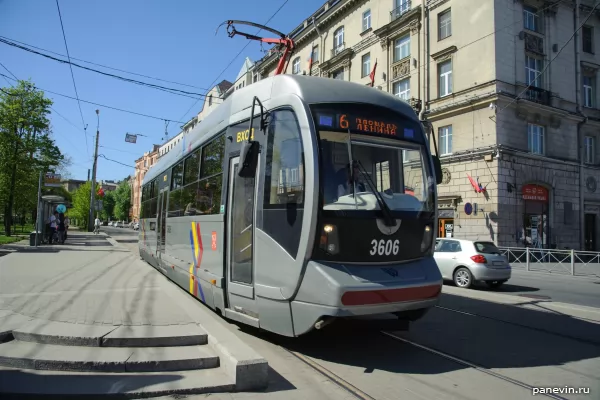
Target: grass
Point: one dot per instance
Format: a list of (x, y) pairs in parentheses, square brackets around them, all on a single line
[(18, 233)]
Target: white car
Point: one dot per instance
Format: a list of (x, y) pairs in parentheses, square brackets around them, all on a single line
[(466, 262)]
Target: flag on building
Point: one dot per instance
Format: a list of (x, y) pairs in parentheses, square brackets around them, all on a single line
[(372, 75), (310, 63)]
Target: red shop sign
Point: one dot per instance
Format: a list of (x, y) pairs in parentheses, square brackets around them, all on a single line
[(535, 192)]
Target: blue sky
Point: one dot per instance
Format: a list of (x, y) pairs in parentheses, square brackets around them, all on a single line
[(173, 40)]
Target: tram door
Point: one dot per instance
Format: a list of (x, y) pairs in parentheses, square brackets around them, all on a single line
[(161, 225), (240, 243)]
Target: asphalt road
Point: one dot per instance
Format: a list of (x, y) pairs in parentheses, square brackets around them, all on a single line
[(529, 285), (584, 291)]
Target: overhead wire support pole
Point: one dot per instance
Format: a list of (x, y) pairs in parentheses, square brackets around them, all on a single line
[(94, 168), (284, 41)]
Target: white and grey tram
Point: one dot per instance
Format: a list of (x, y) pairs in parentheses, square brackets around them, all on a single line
[(321, 206)]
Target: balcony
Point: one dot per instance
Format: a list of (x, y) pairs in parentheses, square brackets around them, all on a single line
[(537, 95), (338, 49), (396, 13)]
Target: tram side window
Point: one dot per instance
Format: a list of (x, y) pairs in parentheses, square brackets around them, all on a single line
[(284, 181), (191, 168), (175, 203), (208, 194), (154, 199), (177, 176)]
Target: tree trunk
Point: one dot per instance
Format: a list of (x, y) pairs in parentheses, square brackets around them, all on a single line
[(11, 193)]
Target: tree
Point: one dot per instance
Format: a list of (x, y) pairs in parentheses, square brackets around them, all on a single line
[(108, 206), (26, 148), (122, 201), (81, 204)]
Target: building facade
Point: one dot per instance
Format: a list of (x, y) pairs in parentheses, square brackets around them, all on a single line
[(142, 165), (508, 95)]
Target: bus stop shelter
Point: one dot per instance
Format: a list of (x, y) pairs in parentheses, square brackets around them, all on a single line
[(48, 205)]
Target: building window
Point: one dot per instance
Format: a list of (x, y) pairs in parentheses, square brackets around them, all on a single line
[(402, 89), (587, 38), (533, 68), (296, 66), (366, 65), (590, 149), (401, 48), (445, 139), (366, 20), (588, 91), (445, 69), (338, 74), (254, 78), (400, 7), (535, 139), (210, 100), (338, 40), (530, 19), (315, 54), (444, 25)]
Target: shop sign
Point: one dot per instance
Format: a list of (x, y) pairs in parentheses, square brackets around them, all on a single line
[(535, 192)]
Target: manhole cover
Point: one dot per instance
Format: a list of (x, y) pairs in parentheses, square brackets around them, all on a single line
[(536, 296)]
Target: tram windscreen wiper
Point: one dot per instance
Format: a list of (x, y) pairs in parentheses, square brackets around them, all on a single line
[(387, 213)]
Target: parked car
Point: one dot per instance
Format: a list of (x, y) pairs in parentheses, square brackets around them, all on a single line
[(466, 262)]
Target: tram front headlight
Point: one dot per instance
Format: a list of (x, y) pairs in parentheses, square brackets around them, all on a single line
[(427, 239), (329, 241)]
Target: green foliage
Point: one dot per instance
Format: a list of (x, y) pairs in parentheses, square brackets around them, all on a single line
[(122, 201), (26, 148), (81, 204), (108, 206)]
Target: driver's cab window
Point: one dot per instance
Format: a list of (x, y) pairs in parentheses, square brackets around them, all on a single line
[(356, 172)]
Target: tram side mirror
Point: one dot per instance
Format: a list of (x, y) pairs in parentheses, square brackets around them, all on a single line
[(249, 159), (437, 166)]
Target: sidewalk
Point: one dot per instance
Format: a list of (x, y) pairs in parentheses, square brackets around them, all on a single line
[(93, 292)]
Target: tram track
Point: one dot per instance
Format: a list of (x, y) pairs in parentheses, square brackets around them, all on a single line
[(541, 330), (358, 393)]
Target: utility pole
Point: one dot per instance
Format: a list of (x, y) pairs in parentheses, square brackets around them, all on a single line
[(38, 219), (88, 174), (93, 191)]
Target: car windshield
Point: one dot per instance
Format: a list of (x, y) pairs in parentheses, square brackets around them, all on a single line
[(397, 170), (486, 247)]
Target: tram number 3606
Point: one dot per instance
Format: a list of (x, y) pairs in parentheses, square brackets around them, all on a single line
[(385, 247)]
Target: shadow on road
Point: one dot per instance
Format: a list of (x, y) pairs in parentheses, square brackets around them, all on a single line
[(485, 333)]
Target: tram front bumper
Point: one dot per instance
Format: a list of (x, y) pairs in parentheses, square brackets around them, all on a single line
[(355, 291)]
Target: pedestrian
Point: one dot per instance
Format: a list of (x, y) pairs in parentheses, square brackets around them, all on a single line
[(67, 223), (53, 220), (97, 226), (61, 228)]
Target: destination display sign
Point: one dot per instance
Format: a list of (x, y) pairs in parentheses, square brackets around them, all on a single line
[(366, 124)]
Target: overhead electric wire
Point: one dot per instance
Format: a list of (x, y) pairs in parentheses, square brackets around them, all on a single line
[(235, 58), (73, 78), (166, 89), (115, 161), (104, 105), (100, 65), (550, 62)]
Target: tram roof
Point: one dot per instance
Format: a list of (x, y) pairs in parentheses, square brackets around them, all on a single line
[(311, 89)]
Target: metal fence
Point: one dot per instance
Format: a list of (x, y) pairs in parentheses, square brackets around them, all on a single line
[(567, 262)]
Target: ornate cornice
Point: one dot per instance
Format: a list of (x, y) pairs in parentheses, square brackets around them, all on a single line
[(445, 54), (409, 21), (340, 60)]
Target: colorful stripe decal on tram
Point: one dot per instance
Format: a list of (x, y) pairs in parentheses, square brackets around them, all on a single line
[(197, 251)]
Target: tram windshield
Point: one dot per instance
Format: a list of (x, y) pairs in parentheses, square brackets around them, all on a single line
[(358, 174), (372, 158)]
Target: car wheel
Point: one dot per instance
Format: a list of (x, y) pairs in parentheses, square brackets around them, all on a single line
[(494, 284), (463, 278)]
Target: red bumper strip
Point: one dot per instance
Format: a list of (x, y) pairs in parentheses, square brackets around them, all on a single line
[(366, 297)]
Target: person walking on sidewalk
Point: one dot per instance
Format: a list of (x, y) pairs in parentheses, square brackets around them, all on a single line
[(67, 223), (97, 226), (52, 232)]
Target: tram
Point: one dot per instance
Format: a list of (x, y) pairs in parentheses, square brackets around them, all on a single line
[(297, 202)]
